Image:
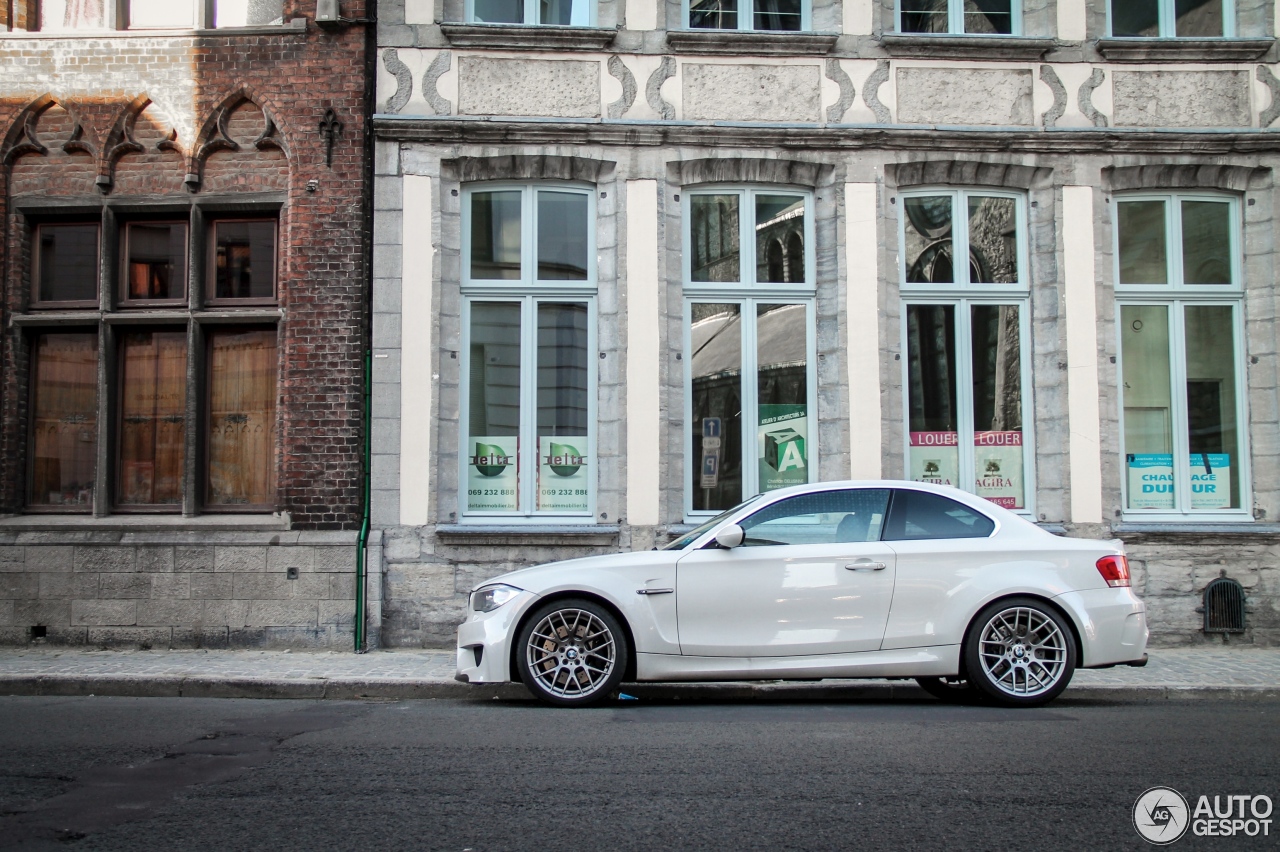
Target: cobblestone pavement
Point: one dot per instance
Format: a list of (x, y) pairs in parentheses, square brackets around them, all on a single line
[(1206, 671)]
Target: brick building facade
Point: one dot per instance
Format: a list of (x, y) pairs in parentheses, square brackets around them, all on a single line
[(183, 188)]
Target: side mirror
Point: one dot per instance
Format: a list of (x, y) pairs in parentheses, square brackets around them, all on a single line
[(730, 537)]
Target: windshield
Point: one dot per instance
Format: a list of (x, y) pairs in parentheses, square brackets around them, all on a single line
[(693, 535)]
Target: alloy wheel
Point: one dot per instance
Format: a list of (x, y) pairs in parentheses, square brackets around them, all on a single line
[(1023, 651), (572, 653)]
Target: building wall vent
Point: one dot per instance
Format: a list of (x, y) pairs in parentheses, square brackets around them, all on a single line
[(1224, 606)]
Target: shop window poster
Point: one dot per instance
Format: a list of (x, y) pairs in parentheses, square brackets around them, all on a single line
[(782, 446), (997, 459), (1151, 481), (493, 474), (935, 458), (563, 474)]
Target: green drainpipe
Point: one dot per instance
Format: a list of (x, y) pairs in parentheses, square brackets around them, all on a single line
[(362, 543)]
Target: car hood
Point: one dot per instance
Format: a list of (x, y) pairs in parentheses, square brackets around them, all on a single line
[(539, 578)]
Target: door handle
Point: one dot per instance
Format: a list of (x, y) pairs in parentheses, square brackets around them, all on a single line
[(655, 591), (865, 565)]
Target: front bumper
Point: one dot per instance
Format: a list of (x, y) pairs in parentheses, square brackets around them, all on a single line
[(1112, 623), (484, 641)]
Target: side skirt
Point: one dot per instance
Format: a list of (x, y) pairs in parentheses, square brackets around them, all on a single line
[(906, 662)]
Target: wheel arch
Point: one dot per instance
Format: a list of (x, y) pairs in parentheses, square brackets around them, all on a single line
[(629, 672), (1065, 614)]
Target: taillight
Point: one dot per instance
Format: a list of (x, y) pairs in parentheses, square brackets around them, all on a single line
[(1115, 570)]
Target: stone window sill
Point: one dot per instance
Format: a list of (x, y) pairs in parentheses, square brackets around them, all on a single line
[(584, 535), (524, 36), (1183, 49), (1196, 533), (290, 27), (966, 47), (738, 42), (143, 523)]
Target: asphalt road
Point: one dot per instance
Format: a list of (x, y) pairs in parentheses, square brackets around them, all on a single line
[(191, 774)]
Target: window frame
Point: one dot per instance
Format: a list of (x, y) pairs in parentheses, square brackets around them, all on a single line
[(202, 347), (33, 290), (1177, 296), (116, 18), (531, 10), (529, 292), (747, 12), (1168, 22), (122, 292), (211, 263), (964, 294), (748, 294), (115, 404), (29, 340), (955, 22)]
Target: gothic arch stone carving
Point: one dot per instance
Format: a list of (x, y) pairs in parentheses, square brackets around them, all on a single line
[(215, 134)]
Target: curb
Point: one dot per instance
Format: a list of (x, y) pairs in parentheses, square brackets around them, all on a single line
[(397, 689)]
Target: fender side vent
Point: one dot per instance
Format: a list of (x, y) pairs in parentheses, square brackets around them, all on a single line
[(1224, 606)]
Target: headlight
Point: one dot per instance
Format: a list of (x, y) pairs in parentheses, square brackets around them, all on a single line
[(491, 597)]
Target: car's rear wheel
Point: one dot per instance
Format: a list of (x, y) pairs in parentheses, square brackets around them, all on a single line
[(1020, 652), (572, 653), (954, 689)]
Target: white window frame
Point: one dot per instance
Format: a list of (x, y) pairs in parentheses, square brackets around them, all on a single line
[(964, 294), (531, 9), (1169, 20), (116, 15), (747, 18), (955, 21), (960, 242), (529, 293), (747, 293), (1177, 296)]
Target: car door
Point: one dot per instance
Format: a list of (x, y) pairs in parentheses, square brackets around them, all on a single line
[(811, 577)]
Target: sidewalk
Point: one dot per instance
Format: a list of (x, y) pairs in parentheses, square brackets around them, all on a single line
[(1234, 673)]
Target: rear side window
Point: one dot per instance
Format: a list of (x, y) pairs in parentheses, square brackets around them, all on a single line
[(916, 515)]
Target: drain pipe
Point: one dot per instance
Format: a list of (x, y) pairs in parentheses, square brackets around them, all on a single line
[(362, 542)]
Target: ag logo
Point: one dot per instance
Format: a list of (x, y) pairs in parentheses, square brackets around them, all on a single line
[(490, 460), (563, 459), (1161, 815)]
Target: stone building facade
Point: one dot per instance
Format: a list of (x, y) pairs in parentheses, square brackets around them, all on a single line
[(185, 200), (991, 206)]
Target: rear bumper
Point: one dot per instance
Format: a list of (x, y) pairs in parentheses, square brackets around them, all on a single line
[(1112, 625), (484, 641)]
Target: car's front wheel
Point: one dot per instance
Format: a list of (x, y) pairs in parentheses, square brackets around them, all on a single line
[(572, 653), (1020, 652)]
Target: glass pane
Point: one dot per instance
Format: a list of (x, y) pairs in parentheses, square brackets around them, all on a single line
[(993, 240), (778, 15), (563, 400), (1211, 407), (916, 515), (493, 388), (1135, 18), (782, 442), (71, 14), (928, 239), (1199, 18), (715, 367), (562, 236), (1206, 242), (153, 402), (245, 260), (157, 13), (779, 239), (242, 418), (931, 394), (997, 405), (832, 517), (1148, 414), (714, 231), (495, 235), (499, 11), (68, 263), (571, 13), (713, 15), (925, 16), (247, 13), (1143, 253), (988, 17), (157, 261), (64, 419)]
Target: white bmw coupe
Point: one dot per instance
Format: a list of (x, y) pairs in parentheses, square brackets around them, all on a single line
[(834, 580)]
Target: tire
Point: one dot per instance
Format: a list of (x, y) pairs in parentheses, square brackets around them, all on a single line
[(953, 689), (571, 653), (1020, 652)]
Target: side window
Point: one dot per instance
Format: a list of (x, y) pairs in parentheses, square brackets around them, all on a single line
[(917, 515), (831, 517)]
